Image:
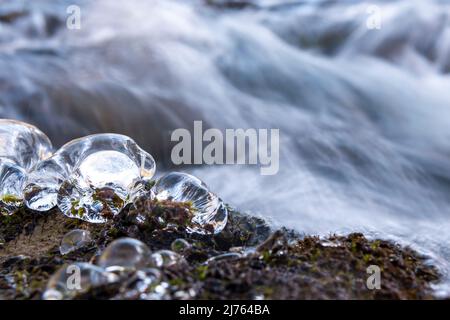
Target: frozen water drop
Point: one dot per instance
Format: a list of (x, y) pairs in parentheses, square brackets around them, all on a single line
[(225, 256), (90, 178), (210, 215), (23, 144), (43, 182), (329, 243), (141, 283), (125, 254), (158, 292), (102, 179), (98, 188), (74, 279), (185, 294), (165, 258), (93, 205), (74, 240), (140, 188), (180, 246), (12, 177), (21, 147)]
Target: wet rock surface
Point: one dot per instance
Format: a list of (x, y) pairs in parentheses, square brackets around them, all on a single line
[(247, 260)]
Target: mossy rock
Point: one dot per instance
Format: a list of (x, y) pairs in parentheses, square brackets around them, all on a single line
[(278, 264)]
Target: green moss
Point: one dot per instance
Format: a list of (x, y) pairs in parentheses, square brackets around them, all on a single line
[(107, 196), (10, 198), (266, 291), (283, 266), (266, 256), (202, 271), (10, 219), (375, 245), (113, 232), (177, 282)]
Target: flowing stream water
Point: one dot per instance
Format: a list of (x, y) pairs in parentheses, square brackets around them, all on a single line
[(363, 114)]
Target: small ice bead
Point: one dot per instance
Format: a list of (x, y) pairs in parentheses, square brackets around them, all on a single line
[(99, 187), (165, 258), (42, 184), (23, 143), (102, 175), (21, 147), (139, 188), (225, 256), (210, 215), (140, 283), (180, 246), (11, 181), (159, 292), (74, 279), (125, 254), (74, 240)]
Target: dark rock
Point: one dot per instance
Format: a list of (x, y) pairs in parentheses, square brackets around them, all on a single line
[(281, 264)]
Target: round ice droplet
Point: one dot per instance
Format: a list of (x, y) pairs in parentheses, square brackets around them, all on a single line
[(210, 215), (90, 178), (140, 284), (158, 292), (165, 258), (43, 182), (180, 246), (73, 240), (23, 144), (125, 254), (21, 147), (74, 279), (12, 177)]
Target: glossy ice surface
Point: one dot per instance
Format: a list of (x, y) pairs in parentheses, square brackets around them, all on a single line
[(73, 240), (210, 215), (74, 279), (90, 178), (165, 258), (21, 147), (125, 254), (180, 246)]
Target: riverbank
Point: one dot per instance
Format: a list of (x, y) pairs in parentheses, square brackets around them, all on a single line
[(247, 260)]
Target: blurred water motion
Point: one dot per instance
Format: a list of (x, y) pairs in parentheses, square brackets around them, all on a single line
[(364, 115)]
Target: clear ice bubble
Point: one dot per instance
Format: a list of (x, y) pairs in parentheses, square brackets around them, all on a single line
[(140, 188), (74, 279), (225, 256), (125, 254), (43, 183), (22, 146), (210, 214), (185, 294), (90, 178), (180, 246), (74, 240), (158, 292), (12, 177), (165, 258), (141, 283)]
